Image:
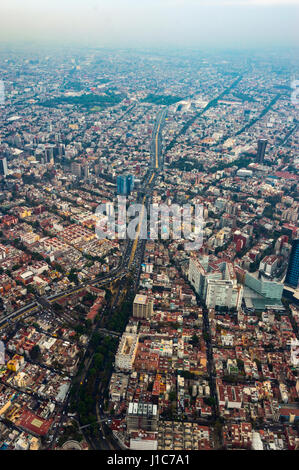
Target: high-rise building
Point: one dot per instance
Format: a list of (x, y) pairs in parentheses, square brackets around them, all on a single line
[(261, 148), (130, 183), (59, 150), (142, 306), (127, 349), (86, 171), (262, 293), (3, 166), (49, 155), (292, 275), (215, 282), (122, 185), (76, 169), (125, 184), (223, 293)]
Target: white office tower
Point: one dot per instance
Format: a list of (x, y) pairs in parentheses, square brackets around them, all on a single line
[(216, 282)]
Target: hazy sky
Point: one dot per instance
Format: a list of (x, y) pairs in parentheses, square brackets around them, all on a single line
[(145, 23)]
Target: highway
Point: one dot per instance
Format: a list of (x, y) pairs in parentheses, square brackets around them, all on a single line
[(132, 258), (157, 138), (45, 301), (8, 319), (155, 163)]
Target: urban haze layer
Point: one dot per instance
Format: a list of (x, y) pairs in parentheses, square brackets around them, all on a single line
[(119, 343)]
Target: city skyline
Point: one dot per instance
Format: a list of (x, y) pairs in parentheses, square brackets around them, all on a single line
[(151, 23)]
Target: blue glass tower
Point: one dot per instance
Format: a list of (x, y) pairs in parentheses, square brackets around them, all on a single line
[(125, 184), (292, 276), (130, 183), (122, 185), (262, 143)]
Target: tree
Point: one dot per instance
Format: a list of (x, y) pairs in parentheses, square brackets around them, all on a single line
[(35, 353), (98, 360), (30, 289), (89, 297), (268, 212), (258, 365), (195, 340), (172, 396), (57, 307), (73, 277), (205, 336), (210, 401), (240, 364)]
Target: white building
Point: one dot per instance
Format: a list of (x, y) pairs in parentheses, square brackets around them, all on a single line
[(127, 349), (215, 282), (269, 265), (223, 293)]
